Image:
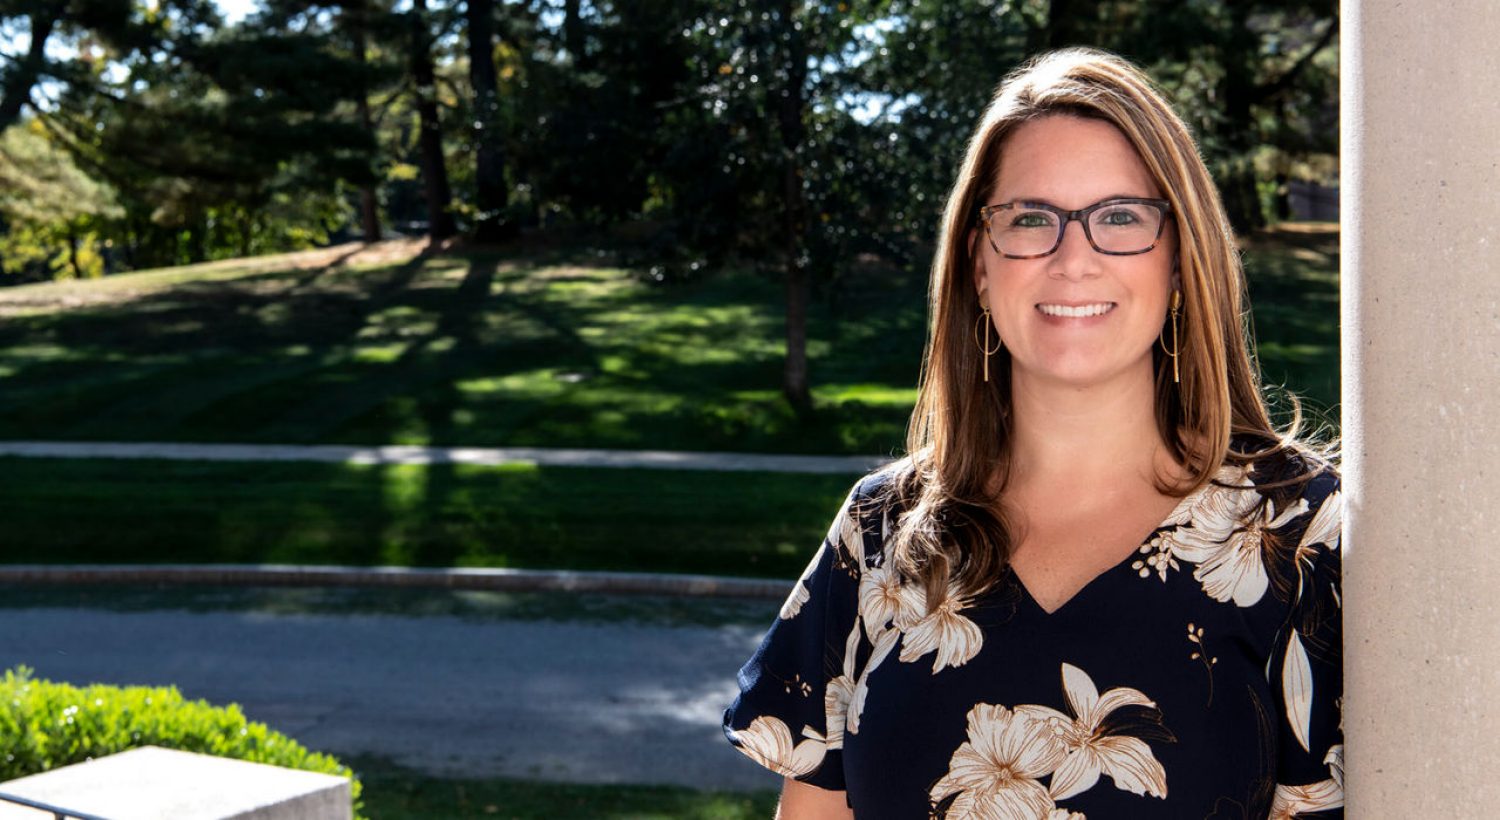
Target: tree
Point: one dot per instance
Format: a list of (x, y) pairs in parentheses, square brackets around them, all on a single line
[(362, 30), (113, 22), (51, 210), (208, 141), (491, 193), (439, 197)]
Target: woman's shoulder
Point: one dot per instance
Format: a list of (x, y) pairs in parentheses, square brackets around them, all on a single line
[(1273, 464), (1300, 482)]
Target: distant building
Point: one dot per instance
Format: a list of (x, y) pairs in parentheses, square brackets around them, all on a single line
[(1311, 201)]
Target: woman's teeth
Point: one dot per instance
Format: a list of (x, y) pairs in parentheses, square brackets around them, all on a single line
[(1076, 312)]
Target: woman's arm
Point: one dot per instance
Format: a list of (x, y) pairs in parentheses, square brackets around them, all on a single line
[(801, 801)]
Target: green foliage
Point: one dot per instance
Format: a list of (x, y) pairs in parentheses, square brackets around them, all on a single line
[(46, 725), (217, 140), (40, 183), (52, 211)]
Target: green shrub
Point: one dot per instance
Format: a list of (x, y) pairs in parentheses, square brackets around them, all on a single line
[(46, 725)]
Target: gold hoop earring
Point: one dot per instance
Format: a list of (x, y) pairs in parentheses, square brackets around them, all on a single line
[(984, 345), (1176, 304)]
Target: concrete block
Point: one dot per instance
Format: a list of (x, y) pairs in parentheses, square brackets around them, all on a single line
[(151, 783)]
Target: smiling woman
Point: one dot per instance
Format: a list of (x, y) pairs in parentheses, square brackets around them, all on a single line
[(1101, 583)]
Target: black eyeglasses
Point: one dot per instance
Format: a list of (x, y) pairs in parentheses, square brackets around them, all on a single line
[(1118, 227)]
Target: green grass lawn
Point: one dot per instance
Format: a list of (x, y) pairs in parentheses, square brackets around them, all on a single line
[(523, 350), (394, 794), (116, 511), (477, 350)]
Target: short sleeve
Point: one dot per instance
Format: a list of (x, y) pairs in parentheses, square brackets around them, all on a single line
[(795, 689), (1306, 667)]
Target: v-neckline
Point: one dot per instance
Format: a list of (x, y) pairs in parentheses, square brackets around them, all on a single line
[(1113, 568)]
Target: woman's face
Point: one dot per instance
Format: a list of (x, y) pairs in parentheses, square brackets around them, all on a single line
[(1072, 163)]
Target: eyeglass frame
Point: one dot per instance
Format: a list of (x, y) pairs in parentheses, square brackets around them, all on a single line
[(1081, 215)]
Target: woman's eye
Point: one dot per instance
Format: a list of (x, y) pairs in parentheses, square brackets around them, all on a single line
[(1035, 219), (1118, 217)]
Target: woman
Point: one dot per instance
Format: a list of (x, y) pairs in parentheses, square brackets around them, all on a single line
[(1101, 584)]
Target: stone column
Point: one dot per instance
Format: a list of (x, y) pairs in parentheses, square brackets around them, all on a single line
[(1421, 406)]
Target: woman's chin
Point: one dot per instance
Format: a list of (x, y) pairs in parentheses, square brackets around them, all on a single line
[(1073, 373)]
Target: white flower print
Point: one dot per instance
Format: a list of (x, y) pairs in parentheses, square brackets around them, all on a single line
[(768, 742), (955, 638), (1127, 760), (845, 532), (839, 692), (1335, 761), (1232, 479), (1325, 523), (1064, 814), (995, 772), (884, 600), (799, 595), (1297, 689), (1227, 542), (1294, 801)]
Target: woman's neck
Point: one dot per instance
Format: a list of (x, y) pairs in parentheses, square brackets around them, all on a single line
[(1090, 438)]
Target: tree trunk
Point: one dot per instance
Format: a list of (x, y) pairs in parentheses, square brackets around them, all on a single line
[(1237, 186), (369, 202), (574, 36), (15, 92), (789, 115), (440, 224), (491, 194), (73, 253), (247, 233)]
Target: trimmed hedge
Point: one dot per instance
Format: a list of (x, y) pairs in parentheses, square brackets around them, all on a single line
[(46, 725)]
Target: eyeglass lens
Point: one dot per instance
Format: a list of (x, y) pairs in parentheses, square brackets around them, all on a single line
[(1120, 227)]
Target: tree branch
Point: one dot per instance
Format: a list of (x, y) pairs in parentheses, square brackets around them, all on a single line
[(1268, 90)]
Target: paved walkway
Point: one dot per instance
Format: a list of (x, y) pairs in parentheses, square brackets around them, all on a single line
[(393, 454), (566, 699)]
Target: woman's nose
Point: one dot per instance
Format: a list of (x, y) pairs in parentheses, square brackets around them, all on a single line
[(1075, 257)]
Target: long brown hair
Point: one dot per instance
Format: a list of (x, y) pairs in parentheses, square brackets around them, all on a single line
[(951, 530)]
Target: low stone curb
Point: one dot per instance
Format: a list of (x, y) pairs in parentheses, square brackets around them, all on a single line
[(508, 580), (489, 456)]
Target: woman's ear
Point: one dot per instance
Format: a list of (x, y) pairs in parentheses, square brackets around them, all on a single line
[(976, 254)]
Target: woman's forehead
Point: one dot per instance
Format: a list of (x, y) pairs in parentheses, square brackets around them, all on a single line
[(1070, 162)]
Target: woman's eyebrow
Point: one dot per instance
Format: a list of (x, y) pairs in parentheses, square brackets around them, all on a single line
[(1039, 200)]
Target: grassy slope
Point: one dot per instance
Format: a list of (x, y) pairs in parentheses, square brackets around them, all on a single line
[(455, 350), (484, 350)]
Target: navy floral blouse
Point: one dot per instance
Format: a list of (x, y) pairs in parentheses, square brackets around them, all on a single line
[(1198, 678)]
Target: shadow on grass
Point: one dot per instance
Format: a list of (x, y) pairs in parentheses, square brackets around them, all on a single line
[(105, 511), (482, 349)]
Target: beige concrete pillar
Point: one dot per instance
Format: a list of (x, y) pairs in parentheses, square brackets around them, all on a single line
[(1421, 399)]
